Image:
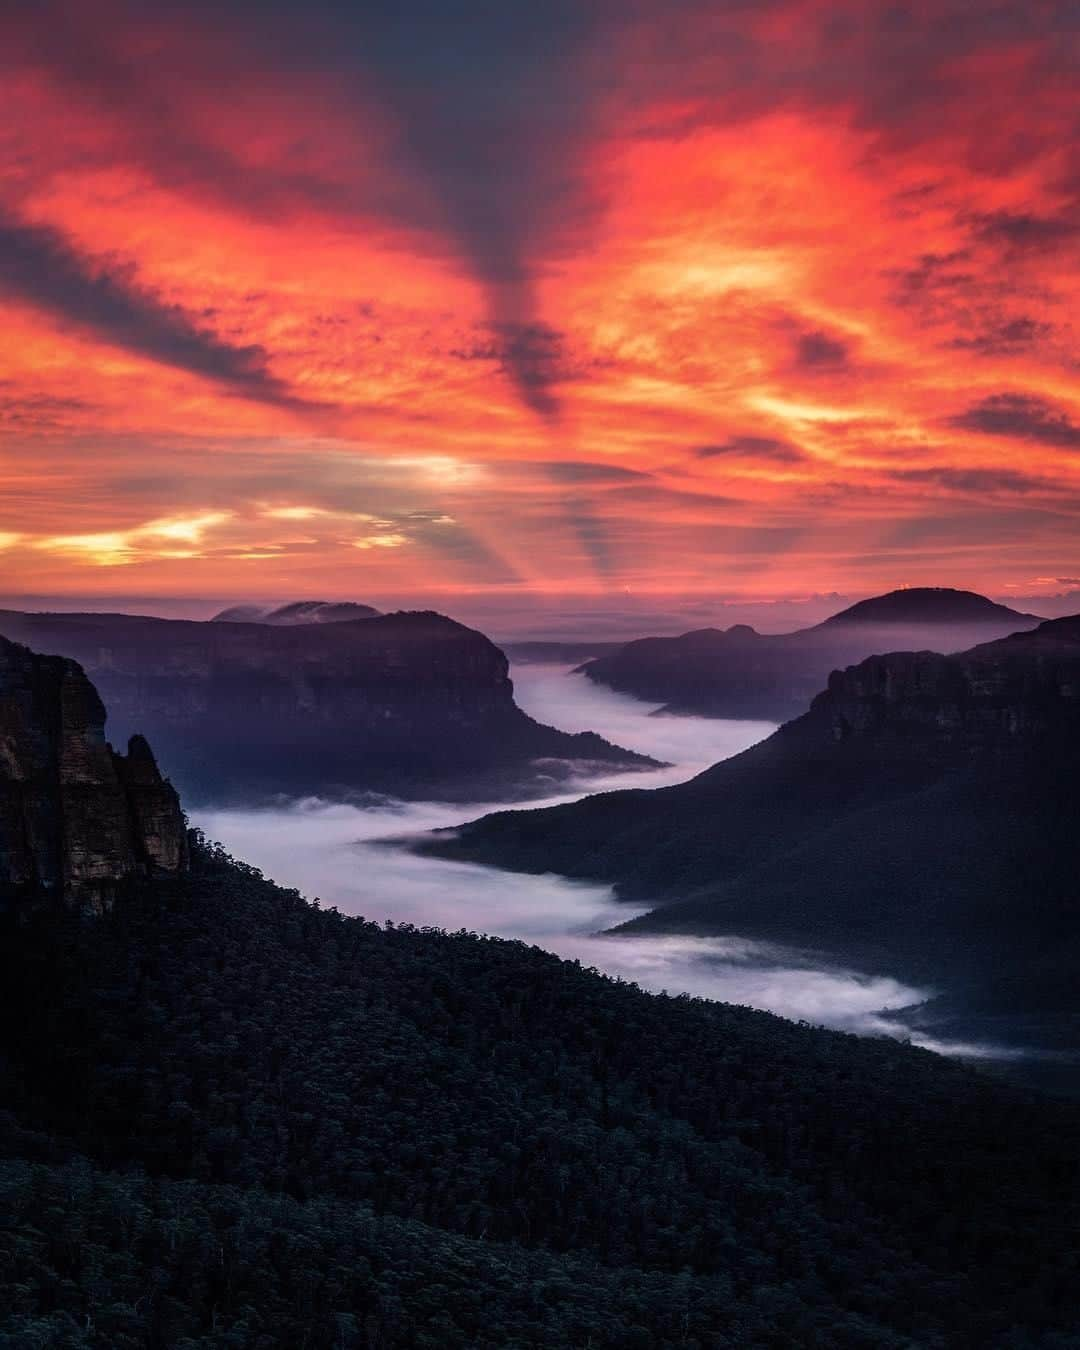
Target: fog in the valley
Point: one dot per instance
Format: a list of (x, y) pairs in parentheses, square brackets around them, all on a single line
[(339, 853), (553, 695)]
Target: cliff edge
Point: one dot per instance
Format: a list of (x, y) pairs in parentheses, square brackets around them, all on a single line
[(77, 819)]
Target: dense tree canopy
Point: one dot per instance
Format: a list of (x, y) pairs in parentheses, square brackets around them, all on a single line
[(233, 1118)]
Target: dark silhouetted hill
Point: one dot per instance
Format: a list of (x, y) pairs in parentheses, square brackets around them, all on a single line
[(298, 612), (929, 605), (920, 819), (737, 672), (231, 1118), (411, 704)]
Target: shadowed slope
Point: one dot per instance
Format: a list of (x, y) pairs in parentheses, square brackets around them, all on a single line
[(920, 818), (288, 1124), (411, 704), (738, 672)]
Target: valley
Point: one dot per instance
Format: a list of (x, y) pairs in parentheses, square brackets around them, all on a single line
[(357, 858)]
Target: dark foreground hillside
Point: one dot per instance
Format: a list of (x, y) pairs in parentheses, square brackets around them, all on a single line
[(234, 1119)]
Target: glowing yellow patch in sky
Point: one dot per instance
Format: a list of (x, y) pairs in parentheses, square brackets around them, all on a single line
[(382, 541), (293, 512), (791, 411), (115, 548)]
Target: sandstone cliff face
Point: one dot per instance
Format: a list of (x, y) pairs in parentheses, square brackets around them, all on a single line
[(77, 820), (995, 696), (155, 808)]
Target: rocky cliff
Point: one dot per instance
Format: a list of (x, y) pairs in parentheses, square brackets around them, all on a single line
[(77, 820), (999, 695), (919, 820), (890, 726), (411, 704)]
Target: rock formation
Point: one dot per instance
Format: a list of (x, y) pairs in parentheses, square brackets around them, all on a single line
[(890, 726), (411, 704), (77, 820), (997, 695)]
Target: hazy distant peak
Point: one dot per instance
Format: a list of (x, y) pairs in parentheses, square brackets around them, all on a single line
[(320, 611), (241, 614), (926, 604), (297, 612), (706, 636)]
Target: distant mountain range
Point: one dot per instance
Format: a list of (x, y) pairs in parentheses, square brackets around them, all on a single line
[(738, 672), (298, 612), (410, 704), (920, 819)]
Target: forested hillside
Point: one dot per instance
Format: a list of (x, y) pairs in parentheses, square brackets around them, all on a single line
[(234, 1119)]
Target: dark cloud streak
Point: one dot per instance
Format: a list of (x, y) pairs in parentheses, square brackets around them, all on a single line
[(1025, 232), (818, 351), (534, 357), (753, 447), (490, 115), (978, 482), (40, 266), (1021, 417), (1005, 338)]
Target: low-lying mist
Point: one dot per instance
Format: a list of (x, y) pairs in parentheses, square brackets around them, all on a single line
[(333, 851), (345, 855), (571, 702)]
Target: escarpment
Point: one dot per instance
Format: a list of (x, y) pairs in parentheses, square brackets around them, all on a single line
[(77, 819), (920, 820), (410, 704), (999, 696)]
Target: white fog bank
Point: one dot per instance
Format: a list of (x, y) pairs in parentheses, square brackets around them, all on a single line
[(570, 702), (331, 850)]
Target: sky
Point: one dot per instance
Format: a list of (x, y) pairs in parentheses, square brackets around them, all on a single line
[(659, 298)]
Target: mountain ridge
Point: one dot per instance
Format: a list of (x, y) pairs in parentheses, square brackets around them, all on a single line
[(918, 820), (411, 704), (926, 604), (231, 1116), (738, 672)]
